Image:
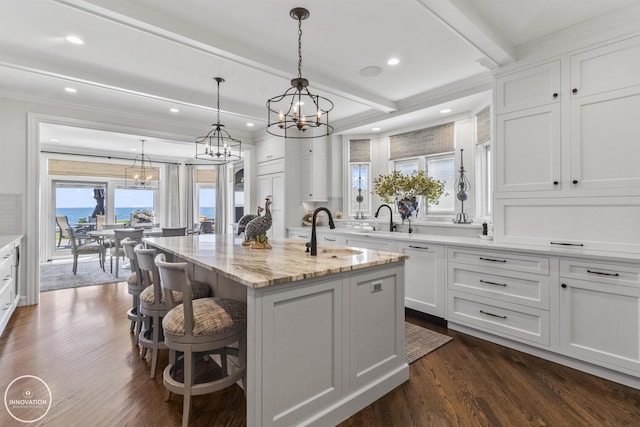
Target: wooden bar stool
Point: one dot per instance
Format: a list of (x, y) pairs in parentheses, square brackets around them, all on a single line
[(206, 326), (134, 286), (153, 305)]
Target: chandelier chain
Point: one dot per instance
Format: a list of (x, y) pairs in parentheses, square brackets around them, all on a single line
[(218, 116), (300, 47)]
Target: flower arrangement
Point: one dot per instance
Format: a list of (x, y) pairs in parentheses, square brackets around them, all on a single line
[(395, 185), (144, 215)]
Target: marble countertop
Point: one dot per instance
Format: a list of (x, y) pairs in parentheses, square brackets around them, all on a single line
[(483, 244), (286, 262), (9, 239)]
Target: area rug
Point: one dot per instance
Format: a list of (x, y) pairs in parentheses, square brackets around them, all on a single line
[(420, 341), (59, 275)]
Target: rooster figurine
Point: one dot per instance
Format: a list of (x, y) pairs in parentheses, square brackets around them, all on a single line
[(256, 230), (242, 223)]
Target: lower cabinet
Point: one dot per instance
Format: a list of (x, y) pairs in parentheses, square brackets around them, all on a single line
[(369, 242), (424, 283), (9, 284), (600, 313)]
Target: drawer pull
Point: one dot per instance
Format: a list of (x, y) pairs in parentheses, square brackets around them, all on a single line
[(329, 240), (418, 247), (567, 244), (493, 260), (492, 283), (602, 273), (303, 237), (491, 314), (7, 256)]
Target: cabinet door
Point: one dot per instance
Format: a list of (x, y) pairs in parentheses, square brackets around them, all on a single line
[(424, 277), (532, 87), (600, 323), (313, 177), (605, 153), (528, 150), (273, 185)]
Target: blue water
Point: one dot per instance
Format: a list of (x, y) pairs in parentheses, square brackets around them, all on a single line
[(74, 214)]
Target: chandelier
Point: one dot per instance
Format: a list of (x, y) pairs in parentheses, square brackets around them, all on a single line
[(218, 146), (298, 109), (141, 174)]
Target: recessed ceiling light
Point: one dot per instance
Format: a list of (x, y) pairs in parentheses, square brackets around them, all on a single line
[(174, 110), (74, 40), (445, 110), (375, 129), (70, 90), (393, 61), (250, 124), (370, 71)]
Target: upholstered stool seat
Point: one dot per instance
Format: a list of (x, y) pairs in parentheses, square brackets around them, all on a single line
[(199, 326), (200, 290)]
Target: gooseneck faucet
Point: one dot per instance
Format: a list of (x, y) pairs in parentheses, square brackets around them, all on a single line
[(314, 241), (391, 226)]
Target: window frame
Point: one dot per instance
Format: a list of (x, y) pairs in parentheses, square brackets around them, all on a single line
[(484, 183)]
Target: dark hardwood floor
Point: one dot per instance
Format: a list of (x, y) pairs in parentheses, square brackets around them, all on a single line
[(78, 341)]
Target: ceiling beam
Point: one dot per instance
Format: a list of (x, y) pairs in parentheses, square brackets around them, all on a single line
[(462, 19)]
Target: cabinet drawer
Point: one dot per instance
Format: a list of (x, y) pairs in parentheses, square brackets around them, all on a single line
[(502, 318), (500, 260), (6, 297), (519, 288), (300, 235), (620, 274)]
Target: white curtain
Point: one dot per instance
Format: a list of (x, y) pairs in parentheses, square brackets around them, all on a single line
[(173, 195), (190, 191), (221, 200)]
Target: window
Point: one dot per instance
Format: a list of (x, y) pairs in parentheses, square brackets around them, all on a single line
[(206, 201), (359, 191), (484, 172), (442, 168), (127, 200)]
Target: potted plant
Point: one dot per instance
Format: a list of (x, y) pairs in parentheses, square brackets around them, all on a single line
[(405, 190)]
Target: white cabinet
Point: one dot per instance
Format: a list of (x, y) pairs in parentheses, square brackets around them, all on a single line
[(424, 283), (300, 235), (600, 313), (499, 292), (313, 174), (368, 242), (272, 185), (270, 149), (9, 288), (331, 238), (566, 137)]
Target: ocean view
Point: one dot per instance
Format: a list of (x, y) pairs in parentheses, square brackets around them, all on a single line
[(74, 214)]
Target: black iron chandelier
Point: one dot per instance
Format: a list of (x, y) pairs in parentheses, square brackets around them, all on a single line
[(141, 174), (292, 114), (218, 146)]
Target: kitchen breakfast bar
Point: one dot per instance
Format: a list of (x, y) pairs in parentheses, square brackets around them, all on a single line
[(325, 334)]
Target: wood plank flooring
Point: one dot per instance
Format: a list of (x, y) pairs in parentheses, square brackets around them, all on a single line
[(78, 341)]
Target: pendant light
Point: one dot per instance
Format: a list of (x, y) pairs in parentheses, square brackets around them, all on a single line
[(141, 174), (298, 113), (218, 146)]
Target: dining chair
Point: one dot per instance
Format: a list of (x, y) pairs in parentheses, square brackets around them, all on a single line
[(117, 251), (63, 225), (78, 249), (199, 327), (178, 231)]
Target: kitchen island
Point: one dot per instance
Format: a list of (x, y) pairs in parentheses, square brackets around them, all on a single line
[(325, 334)]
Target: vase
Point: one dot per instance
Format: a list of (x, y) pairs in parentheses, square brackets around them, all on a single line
[(407, 206)]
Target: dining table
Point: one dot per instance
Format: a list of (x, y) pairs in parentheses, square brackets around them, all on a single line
[(106, 234)]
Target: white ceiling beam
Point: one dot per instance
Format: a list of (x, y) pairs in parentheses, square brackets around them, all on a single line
[(462, 18)]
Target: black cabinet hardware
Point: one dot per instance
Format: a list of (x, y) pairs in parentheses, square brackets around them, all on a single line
[(555, 182), (491, 314), (493, 260), (574, 90), (492, 283), (564, 286), (602, 273), (566, 244), (418, 247), (575, 181), (555, 94)]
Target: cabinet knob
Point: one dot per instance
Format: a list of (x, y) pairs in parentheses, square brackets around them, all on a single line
[(555, 182), (574, 90), (555, 94), (564, 285), (575, 181)]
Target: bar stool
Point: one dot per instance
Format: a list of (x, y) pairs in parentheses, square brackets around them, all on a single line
[(206, 325), (135, 287), (153, 304)]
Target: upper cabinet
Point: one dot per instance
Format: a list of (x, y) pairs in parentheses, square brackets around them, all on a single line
[(313, 170), (270, 149), (573, 136)]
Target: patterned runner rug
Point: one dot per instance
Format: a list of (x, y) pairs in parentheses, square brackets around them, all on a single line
[(420, 341)]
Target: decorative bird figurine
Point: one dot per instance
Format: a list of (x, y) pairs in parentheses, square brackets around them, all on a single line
[(242, 223), (256, 230)]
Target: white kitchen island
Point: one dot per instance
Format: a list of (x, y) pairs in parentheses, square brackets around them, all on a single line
[(325, 334)]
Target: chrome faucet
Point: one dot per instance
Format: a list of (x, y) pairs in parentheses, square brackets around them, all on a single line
[(391, 226), (313, 245)]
